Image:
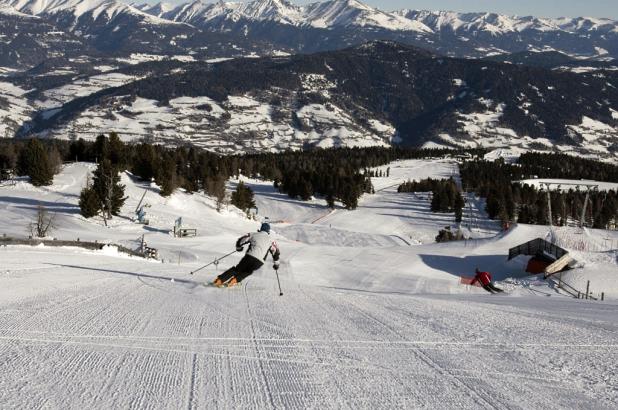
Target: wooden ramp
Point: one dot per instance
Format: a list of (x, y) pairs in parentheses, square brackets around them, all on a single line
[(557, 258)]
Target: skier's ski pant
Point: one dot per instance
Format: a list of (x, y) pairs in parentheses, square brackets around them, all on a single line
[(247, 265)]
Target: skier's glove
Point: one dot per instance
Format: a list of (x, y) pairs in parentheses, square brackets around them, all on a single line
[(276, 266), (239, 249)]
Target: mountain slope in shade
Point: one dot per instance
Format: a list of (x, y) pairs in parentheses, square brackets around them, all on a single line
[(27, 40), (376, 94), (108, 25)]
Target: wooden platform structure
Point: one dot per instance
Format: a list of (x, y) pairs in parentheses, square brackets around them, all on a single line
[(548, 258)]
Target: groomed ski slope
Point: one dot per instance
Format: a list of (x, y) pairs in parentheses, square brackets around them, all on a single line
[(366, 320)]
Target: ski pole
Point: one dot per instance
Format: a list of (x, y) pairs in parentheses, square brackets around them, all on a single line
[(279, 283), (216, 261)]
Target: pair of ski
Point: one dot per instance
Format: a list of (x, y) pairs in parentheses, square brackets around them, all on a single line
[(224, 286)]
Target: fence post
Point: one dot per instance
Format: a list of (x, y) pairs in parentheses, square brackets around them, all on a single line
[(602, 296), (578, 294), (587, 289)]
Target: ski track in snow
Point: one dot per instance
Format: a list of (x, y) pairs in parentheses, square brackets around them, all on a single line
[(369, 319), (179, 344)]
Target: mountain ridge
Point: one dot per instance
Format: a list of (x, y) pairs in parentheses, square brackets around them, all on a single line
[(379, 93), (270, 27)]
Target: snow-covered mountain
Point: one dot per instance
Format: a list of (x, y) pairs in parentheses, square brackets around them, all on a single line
[(104, 25), (266, 27), (72, 11), (158, 9), (467, 22), (338, 23), (329, 14), (501, 24), (7, 10), (354, 13)]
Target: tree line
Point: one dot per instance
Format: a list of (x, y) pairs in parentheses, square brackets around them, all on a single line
[(510, 201), (445, 197), (338, 174)]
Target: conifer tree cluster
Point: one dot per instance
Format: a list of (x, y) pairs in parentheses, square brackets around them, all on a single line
[(242, 198), (445, 194), (35, 162), (510, 201), (339, 174)]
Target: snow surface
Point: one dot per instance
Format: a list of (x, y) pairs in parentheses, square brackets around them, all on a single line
[(372, 315)]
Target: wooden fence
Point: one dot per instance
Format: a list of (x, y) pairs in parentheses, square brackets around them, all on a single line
[(5, 240)]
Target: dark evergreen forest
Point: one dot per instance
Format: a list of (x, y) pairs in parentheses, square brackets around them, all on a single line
[(340, 174), (509, 201), (336, 174)]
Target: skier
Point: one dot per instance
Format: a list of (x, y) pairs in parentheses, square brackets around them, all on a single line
[(260, 245), (484, 278)]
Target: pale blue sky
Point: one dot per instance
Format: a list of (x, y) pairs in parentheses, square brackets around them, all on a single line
[(541, 8)]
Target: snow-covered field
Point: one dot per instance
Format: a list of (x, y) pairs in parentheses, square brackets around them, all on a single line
[(56, 97), (483, 129), (372, 316), (240, 124)]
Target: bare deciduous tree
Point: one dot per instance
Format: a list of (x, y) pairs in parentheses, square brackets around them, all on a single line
[(43, 224)]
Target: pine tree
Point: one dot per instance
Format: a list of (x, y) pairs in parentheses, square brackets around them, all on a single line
[(89, 202), (77, 150), (35, 163), (145, 162), (242, 198), (330, 201), (106, 184), (116, 152), (305, 189), (8, 157), (459, 205), (350, 196), (168, 179), (100, 148), (215, 186)]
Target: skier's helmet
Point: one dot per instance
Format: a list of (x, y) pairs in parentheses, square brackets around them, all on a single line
[(265, 227)]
